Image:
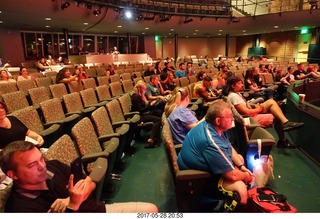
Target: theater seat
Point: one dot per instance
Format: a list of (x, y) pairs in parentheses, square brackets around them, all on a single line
[(65, 151), (189, 184), (30, 118)]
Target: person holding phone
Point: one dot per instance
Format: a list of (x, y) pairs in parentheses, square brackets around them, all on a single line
[(48, 186)]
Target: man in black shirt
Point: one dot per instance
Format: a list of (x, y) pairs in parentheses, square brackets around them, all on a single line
[(40, 186)]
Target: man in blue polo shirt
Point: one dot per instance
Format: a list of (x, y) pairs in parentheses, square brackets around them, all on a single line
[(207, 147)]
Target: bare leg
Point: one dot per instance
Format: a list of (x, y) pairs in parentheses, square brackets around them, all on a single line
[(271, 106)]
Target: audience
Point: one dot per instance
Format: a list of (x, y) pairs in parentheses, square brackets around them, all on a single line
[(42, 65), (12, 129), (23, 74), (168, 83), (190, 70), (181, 72), (158, 68), (5, 77), (64, 76), (265, 113), (147, 111), (48, 186), (181, 119), (110, 71), (155, 92), (149, 71), (256, 91)]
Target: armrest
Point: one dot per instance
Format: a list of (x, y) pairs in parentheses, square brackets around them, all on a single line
[(51, 129), (118, 124), (89, 158), (71, 117), (70, 114), (47, 125), (130, 114), (99, 169), (135, 119), (104, 138), (122, 129), (192, 174)]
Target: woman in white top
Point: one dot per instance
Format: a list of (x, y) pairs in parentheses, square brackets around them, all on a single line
[(23, 74), (5, 77)]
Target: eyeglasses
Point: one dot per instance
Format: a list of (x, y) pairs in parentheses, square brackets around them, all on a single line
[(227, 117)]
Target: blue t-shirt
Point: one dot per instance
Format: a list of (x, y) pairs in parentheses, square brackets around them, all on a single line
[(180, 74), (204, 149), (153, 90), (178, 120)]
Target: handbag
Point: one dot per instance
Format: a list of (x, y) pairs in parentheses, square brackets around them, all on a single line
[(265, 199)]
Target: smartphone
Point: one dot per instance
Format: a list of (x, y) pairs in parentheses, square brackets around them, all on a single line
[(76, 170), (266, 198)]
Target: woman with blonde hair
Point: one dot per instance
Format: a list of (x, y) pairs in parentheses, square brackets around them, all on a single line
[(148, 113), (181, 119)]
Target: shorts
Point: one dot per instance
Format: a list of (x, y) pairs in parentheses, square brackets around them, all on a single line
[(265, 119)]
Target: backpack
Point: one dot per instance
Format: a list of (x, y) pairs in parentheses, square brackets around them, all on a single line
[(265, 199)]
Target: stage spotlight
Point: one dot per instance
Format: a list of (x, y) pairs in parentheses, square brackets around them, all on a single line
[(65, 5), (187, 20), (128, 14)]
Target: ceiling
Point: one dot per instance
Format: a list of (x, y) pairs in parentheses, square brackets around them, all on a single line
[(29, 15)]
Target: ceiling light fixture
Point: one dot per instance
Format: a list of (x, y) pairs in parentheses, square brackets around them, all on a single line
[(65, 5)]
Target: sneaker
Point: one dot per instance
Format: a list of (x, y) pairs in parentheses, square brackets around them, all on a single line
[(286, 144), (288, 126)]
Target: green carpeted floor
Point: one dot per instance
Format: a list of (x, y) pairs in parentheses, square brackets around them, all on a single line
[(147, 178)]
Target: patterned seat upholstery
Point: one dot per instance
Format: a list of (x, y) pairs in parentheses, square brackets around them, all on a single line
[(75, 86), (73, 105), (30, 118), (101, 71), (8, 87), (116, 88), (103, 93), (25, 85), (104, 127), (38, 95), (115, 78), (15, 101), (58, 90), (88, 143), (43, 82), (126, 76), (117, 118), (65, 151), (189, 184), (53, 113), (89, 98), (103, 80), (89, 83), (127, 85), (184, 81)]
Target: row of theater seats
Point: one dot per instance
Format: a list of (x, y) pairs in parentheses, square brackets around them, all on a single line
[(99, 139)]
